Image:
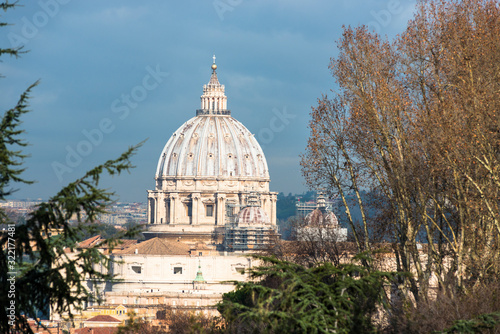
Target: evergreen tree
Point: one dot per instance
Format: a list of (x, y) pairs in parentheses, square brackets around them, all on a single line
[(36, 271), (284, 297)]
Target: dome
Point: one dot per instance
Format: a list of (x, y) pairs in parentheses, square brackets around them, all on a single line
[(205, 173), (209, 145), (252, 215), (213, 144), (320, 217)]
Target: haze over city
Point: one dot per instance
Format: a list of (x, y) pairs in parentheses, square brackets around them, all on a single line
[(115, 73)]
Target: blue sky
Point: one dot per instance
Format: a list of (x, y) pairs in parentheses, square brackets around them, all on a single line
[(113, 73)]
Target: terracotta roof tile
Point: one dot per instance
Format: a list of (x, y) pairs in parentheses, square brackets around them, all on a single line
[(89, 242), (125, 243), (157, 246), (97, 330), (103, 318)]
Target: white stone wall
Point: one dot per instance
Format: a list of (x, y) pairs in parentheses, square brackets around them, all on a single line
[(157, 272)]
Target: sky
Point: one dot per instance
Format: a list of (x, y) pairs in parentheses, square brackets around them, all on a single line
[(115, 73)]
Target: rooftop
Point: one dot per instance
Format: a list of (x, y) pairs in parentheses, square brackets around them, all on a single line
[(157, 246)]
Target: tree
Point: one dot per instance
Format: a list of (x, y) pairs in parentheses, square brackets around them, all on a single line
[(415, 121), (465, 313), (315, 241), (36, 271), (288, 298)]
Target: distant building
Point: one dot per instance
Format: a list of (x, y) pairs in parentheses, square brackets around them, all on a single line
[(304, 208), (321, 224), (102, 321)]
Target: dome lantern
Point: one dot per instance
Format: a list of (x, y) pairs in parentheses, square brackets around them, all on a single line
[(213, 100)]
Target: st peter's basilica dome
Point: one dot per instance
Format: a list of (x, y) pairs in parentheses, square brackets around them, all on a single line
[(205, 173)]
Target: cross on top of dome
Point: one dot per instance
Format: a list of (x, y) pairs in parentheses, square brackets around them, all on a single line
[(213, 79), (214, 66)]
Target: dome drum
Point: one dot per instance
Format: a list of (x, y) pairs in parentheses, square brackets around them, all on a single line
[(238, 185)]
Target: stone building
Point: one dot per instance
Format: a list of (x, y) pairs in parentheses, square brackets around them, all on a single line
[(205, 173), (210, 206), (249, 229), (321, 224)]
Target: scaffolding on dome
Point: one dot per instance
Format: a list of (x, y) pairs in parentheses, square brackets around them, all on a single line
[(247, 237)]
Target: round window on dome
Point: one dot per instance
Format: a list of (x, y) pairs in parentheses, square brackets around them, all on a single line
[(210, 155)]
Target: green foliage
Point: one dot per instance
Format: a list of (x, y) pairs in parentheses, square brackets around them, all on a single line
[(41, 269), (285, 206), (288, 298), (10, 51), (11, 157), (98, 228), (45, 271), (476, 325)]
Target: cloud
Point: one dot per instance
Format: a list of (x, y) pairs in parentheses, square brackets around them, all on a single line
[(271, 54)]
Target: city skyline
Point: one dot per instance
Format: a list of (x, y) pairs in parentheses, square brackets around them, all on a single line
[(113, 74)]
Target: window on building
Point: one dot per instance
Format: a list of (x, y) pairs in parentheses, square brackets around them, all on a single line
[(240, 270), (210, 210), (167, 212), (137, 269), (189, 210), (152, 211), (178, 270)]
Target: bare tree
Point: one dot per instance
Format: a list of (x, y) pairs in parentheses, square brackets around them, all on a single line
[(415, 121)]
